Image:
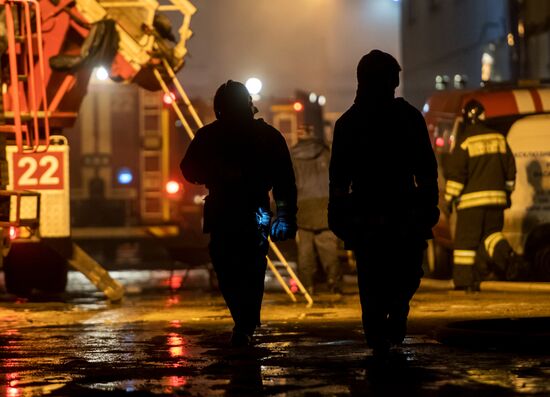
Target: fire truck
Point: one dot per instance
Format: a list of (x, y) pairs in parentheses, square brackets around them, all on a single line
[(522, 113), (130, 206), (49, 50)]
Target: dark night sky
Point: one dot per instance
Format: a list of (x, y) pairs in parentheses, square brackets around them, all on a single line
[(289, 44)]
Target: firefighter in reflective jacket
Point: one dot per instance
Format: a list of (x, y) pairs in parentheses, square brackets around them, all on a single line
[(480, 178)]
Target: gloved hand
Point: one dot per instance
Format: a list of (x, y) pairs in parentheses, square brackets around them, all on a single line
[(284, 226), (263, 219)]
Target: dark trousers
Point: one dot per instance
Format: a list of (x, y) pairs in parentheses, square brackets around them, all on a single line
[(318, 246), (389, 270), (478, 236), (238, 257)]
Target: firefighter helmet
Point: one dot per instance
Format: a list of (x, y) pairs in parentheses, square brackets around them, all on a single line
[(473, 112)]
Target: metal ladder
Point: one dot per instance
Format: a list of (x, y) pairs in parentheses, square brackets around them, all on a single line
[(25, 101), (168, 71)]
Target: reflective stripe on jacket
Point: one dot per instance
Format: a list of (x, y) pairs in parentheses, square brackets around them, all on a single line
[(481, 170)]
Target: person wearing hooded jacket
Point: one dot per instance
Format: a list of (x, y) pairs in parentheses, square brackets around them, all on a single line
[(311, 157), (240, 160), (383, 197)]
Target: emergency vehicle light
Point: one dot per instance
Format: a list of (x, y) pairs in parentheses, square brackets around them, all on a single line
[(440, 142), (168, 98), (173, 187), (124, 176)]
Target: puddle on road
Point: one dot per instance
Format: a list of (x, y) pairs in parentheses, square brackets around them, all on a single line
[(164, 385), (178, 358)]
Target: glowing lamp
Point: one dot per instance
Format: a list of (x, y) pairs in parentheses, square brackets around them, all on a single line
[(313, 97), (254, 85), (172, 187), (13, 233), (439, 142), (124, 176), (168, 98), (298, 106), (101, 73)]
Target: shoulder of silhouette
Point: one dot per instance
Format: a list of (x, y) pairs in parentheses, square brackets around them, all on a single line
[(402, 105), (349, 115), (267, 129), (208, 129)]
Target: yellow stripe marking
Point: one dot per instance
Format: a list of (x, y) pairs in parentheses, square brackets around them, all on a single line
[(455, 185), (484, 144), (491, 242)]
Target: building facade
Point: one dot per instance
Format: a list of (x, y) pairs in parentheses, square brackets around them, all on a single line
[(448, 44)]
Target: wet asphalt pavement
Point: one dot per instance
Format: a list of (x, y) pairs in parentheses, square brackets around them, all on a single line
[(167, 340)]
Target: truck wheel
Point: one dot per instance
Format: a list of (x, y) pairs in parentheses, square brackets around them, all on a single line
[(16, 280), (31, 266), (537, 252), (438, 261)]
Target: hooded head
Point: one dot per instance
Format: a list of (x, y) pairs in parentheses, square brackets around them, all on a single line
[(232, 102), (377, 76)]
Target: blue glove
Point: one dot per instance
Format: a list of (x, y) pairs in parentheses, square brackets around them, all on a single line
[(263, 219), (284, 226)]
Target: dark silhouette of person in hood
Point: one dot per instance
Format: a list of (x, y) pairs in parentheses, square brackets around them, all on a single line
[(240, 159), (383, 197)]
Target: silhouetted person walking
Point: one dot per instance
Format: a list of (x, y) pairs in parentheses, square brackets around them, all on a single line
[(383, 197), (240, 159)]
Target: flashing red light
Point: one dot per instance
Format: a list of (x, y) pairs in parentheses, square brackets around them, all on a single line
[(439, 142), (169, 98), (293, 286), (172, 187), (13, 233), (298, 106)]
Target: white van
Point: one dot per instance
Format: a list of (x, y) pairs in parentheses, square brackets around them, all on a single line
[(523, 115)]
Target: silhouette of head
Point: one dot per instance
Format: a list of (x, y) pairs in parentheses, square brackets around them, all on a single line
[(378, 74), (473, 112), (232, 102)]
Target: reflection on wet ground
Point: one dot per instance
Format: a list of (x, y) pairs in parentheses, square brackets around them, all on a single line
[(167, 344), (315, 359)]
